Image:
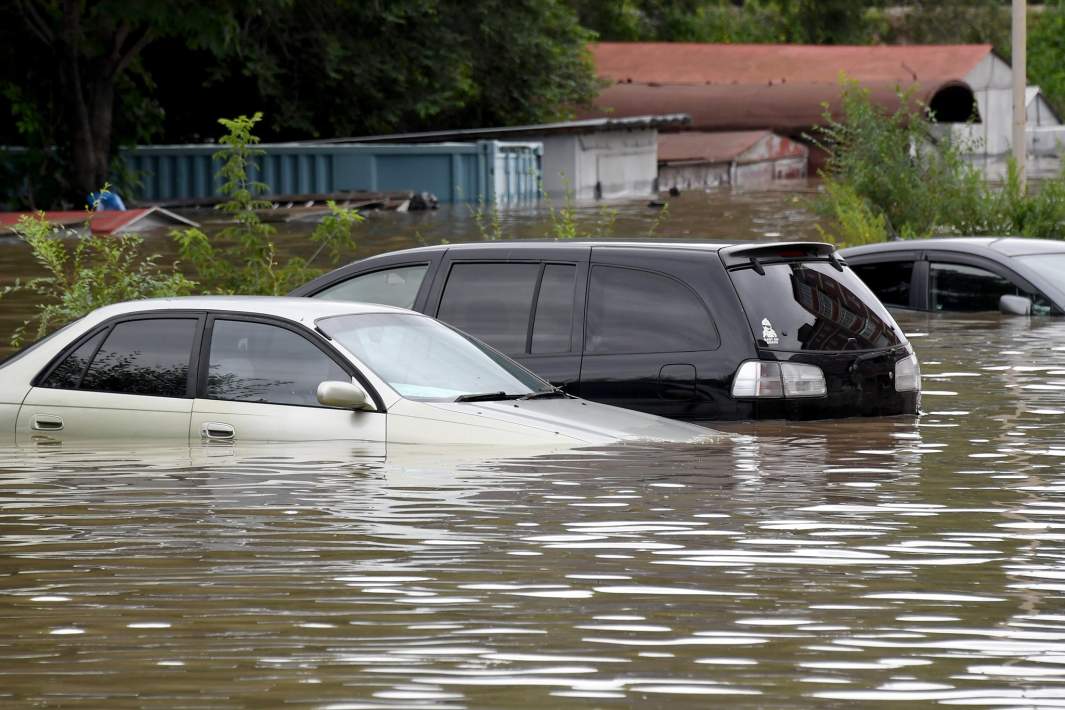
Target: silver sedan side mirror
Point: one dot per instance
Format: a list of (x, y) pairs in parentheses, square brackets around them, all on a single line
[(1015, 305), (346, 395)]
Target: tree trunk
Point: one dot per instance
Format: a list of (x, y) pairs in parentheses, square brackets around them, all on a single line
[(89, 96)]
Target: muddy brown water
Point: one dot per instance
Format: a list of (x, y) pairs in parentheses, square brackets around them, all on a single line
[(888, 563)]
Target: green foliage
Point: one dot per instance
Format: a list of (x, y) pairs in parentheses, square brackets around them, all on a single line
[(165, 70), (242, 257), (1046, 52), (797, 21), (888, 159), (950, 22), (86, 271), (854, 221), (488, 220), (563, 219), (900, 174), (661, 218)]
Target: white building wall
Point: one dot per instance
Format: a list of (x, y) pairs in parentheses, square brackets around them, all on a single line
[(991, 82), (559, 165), (621, 163)]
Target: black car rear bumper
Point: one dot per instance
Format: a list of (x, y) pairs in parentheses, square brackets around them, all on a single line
[(858, 385)]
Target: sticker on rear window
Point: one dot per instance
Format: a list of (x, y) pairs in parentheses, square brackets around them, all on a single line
[(768, 334)]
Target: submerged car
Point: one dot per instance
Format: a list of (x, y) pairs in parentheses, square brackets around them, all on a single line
[(695, 331), (283, 369), (1008, 274)]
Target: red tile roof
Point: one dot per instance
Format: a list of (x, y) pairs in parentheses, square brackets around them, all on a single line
[(104, 221), (691, 63), (761, 86)]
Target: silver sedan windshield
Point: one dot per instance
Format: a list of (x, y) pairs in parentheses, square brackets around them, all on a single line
[(1050, 266), (423, 359)]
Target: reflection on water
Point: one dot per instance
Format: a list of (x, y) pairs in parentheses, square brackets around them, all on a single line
[(857, 563), (854, 563)]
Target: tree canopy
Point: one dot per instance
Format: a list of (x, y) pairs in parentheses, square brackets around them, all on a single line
[(83, 77)]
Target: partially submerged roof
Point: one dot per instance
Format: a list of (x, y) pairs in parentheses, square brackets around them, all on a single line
[(743, 86), (104, 221), (631, 122), (726, 147)]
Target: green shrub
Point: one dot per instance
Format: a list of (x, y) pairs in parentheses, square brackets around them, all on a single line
[(86, 271), (855, 222), (242, 258), (899, 173)]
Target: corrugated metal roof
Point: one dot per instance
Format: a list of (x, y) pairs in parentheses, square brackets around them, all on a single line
[(780, 87), (629, 122)]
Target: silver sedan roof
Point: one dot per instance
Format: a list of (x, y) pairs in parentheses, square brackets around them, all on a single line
[(303, 310)]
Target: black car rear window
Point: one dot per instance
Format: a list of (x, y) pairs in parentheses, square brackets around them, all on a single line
[(812, 306)]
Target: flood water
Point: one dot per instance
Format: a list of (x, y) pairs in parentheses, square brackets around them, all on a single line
[(859, 563)]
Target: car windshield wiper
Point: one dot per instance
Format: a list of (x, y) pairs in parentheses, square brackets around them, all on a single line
[(545, 394), (486, 397)]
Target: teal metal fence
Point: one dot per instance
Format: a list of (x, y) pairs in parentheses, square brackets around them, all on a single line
[(489, 171)]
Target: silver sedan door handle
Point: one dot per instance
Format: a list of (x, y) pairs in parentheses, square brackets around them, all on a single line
[(217, 431), (47, 422)]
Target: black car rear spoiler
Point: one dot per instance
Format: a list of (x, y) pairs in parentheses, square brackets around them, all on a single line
[(755, 255)]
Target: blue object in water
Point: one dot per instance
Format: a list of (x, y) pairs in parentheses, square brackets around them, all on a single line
[(106, 200)]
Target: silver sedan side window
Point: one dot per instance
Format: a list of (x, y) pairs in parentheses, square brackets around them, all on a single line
[(259, 362)]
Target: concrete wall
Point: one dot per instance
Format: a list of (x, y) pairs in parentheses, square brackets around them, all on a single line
[(607, 164), (704, 176), (696, 176)]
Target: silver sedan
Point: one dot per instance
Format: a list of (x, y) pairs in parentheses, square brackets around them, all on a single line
[(249, 368)]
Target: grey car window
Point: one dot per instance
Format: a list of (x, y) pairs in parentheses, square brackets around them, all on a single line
[(959, 287), (258, 362), (390, 287), (889, 280), (146, 357)]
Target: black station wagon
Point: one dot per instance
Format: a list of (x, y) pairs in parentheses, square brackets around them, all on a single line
[(697, 331)]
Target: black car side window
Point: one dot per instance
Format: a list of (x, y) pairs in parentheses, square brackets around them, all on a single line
[(146, 357), (889, 280), (637, 311), (959, 287), (263, 363), (491, 301), (553, 323), (397, 286)]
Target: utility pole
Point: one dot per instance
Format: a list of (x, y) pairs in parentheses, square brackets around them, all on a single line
[(1020, 84)]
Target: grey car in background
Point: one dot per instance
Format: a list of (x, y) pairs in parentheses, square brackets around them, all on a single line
[(1008, 274)]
